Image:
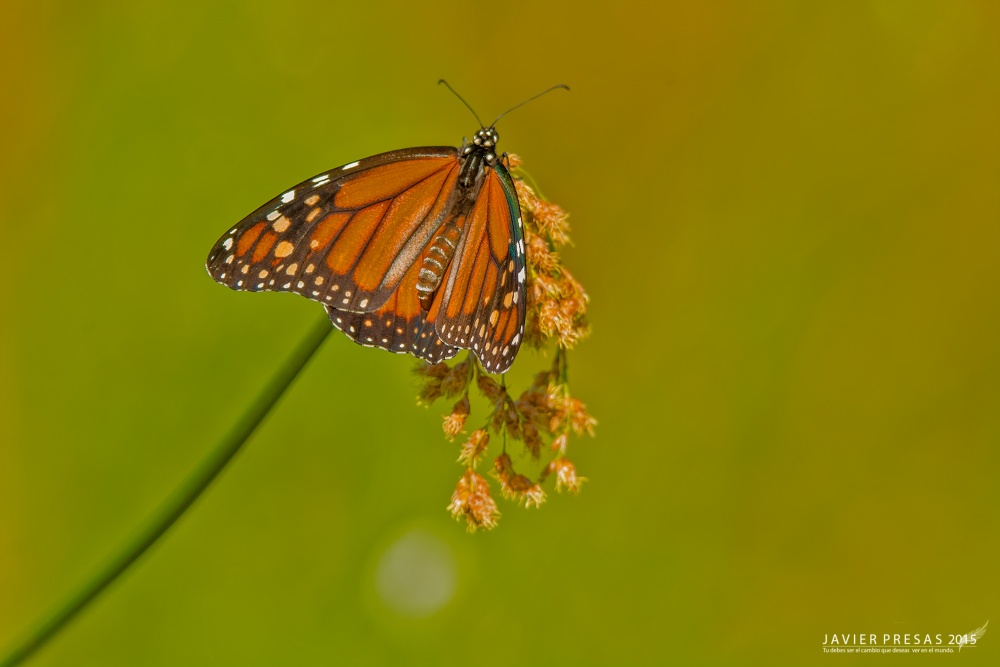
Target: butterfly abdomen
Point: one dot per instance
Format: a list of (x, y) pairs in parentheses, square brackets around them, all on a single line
[(435, 263)]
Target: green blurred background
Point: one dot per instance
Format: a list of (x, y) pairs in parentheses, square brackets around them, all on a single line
[(787, 215)]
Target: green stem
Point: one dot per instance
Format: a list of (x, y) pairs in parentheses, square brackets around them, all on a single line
[(563, 365), (522, 173), (503, 403), (175, 507)]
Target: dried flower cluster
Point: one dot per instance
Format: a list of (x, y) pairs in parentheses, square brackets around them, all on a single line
[(557, 303), (473, 501), (542, 417)]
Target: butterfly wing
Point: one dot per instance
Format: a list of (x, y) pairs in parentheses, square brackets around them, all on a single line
[(346, 237), (399, 325), (482, 301)]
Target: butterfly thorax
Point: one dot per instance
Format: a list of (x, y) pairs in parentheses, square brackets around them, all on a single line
[(475, 157), (481, 151)]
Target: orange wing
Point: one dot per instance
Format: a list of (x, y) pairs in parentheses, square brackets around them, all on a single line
[(481, 305), (347, 237), (400, 325)]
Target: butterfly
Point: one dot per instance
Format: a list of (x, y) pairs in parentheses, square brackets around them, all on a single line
[(417, 251)]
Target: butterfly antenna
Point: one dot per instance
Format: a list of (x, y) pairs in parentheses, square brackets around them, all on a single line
[(534, 97), (467, 105)]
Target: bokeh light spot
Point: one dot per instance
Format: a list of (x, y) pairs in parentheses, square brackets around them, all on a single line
[(416, 575)]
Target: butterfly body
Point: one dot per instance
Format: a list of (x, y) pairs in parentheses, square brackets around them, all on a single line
[(435, 263), (417, 251)]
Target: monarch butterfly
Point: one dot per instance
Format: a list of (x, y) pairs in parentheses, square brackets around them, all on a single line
[(418, 251)]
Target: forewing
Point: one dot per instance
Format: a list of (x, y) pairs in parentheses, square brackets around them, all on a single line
[(346, 237), (483, 303)]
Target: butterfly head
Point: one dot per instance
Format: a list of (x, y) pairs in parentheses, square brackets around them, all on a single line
[(486, 137)]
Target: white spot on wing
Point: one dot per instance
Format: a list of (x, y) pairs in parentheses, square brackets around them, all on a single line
[(349, 166), (288, 196), (228, 243)]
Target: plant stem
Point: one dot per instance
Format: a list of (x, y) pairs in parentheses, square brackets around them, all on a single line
[(175, 506)]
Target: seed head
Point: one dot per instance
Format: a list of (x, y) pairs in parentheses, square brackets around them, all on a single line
[(472, 501)]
